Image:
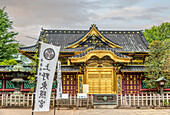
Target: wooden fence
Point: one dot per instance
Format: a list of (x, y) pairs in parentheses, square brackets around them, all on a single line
[(26, 100), (142, 100)]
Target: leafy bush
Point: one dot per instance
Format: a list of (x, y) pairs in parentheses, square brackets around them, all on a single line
[(8, 62)]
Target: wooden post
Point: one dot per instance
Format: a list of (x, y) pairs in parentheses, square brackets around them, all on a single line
[(153, 99), (159, 101), (146, 99), (133, 99), (121, 99), (138, 99), (27, 99), (77, 103), (117, 97), (10, 100), (150, 99), (70, 100), (7, 100), (129, 99), (92, 100), (32, 99), (163, 99), (167, 98), (87, 101), (23, 100), (19, 100), (74, 100), (142, 98), (2, 102), (125, 100)]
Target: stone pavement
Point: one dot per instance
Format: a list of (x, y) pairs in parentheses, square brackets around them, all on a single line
[(89, 112)]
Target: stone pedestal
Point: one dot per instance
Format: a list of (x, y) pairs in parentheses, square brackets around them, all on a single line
[(105, 99)]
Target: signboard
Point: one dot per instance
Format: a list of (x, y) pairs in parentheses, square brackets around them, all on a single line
[(64, 96), (59, 82), (47, 66), (85, 88), (81, 95)]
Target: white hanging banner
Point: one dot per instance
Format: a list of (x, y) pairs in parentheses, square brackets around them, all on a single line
[(59, 82), (47, 67)]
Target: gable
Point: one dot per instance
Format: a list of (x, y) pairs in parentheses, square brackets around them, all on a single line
[(93, 38)]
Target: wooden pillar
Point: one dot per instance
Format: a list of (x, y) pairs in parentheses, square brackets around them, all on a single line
[(3, 86), (140, 82)]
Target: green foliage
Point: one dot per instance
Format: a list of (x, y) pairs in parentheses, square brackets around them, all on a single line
[(156, 63), (160, 33), (8, 62), (8, 47), (166, 103)]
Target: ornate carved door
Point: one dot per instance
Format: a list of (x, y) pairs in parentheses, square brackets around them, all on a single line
[(100, 80)]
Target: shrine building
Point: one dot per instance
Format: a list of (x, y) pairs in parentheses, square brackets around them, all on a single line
[(109, 61)]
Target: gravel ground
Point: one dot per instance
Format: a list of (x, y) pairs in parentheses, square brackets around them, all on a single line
[(88, 112)]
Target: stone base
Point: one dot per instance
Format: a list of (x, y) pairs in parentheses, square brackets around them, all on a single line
[(105, 106)]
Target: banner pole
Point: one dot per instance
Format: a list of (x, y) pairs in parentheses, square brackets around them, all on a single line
[(33, 105), (55, 99)]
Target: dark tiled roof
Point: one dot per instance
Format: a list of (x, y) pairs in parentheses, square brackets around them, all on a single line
[(69, 69), (7, 68), (64, 68), (108, 49), (29, 48), (64, 39), (131, 41), (133, 68)]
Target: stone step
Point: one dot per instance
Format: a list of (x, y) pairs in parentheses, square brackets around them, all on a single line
[(105, 106)]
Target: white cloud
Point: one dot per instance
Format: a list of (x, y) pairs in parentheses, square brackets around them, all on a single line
[(29, 17)]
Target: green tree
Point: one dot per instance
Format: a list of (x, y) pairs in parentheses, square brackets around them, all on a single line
[(161, 32), (8, 45), (8, 62), (156, 63)]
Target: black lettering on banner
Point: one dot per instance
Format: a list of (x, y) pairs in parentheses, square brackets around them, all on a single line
[(46, 67), (41, 103), (44, 85), (45, 76), (42, 94)]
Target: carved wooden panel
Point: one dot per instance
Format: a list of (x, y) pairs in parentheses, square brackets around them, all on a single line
[(131, 84), (69, 83)]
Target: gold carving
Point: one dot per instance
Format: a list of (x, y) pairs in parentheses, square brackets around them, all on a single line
[(100, 54), (131, 82), (92, 32), (131, 87)]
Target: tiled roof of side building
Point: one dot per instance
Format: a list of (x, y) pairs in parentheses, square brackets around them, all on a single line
[(29, 48), (64, 68), (133, 68)]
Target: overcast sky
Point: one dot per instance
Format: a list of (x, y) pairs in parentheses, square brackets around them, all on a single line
[(30, 16)]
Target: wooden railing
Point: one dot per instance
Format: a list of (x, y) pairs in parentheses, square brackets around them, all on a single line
[(144, 100), (26, 100)]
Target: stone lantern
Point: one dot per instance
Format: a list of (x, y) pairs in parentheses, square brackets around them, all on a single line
[(17, 78), (161, 82)]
